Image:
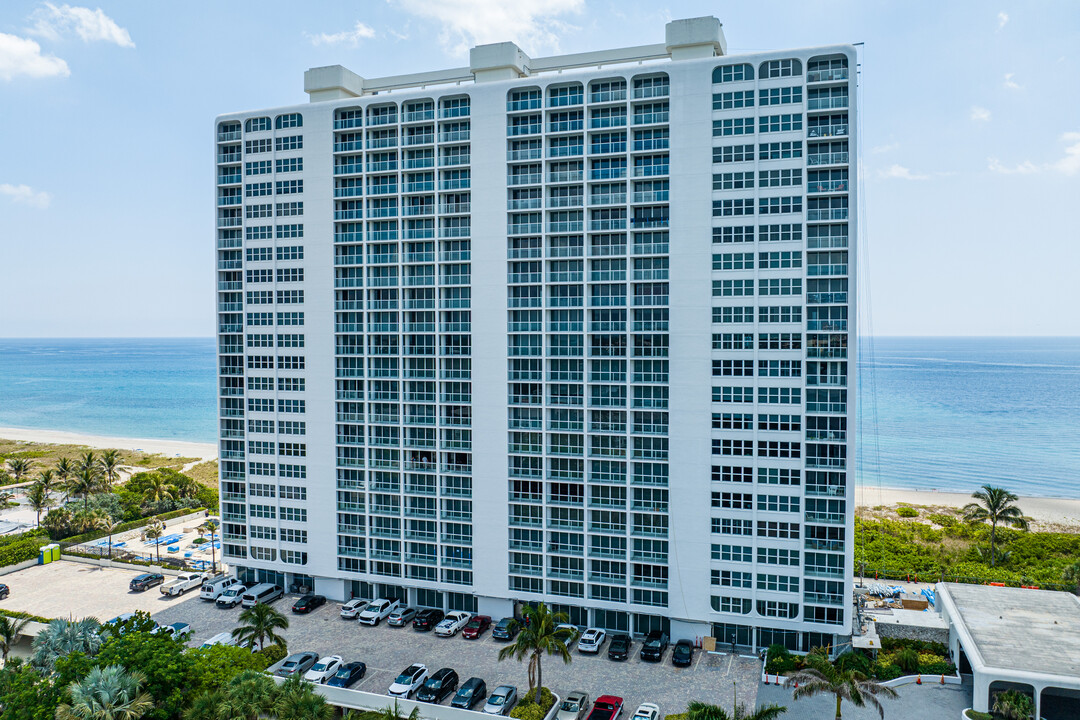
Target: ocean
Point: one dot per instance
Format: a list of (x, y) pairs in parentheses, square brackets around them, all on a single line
[(944, 413)]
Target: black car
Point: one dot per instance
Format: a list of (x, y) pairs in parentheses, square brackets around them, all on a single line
[(427, 618), (656, 642), (141, 583), (4, 591), (618, 647), (505, 629), (438, 686), (471, 692), (347, 674), (683, 654), (307, 603)]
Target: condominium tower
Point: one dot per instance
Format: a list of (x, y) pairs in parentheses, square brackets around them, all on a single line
[(573, 329)]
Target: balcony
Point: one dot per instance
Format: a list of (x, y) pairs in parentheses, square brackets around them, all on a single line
[(820, 270), (650, 170), (526, 154), (572, 226), (831, 75), (652, 91), (347, 123), (514, 130), (824, 131), (228, 157), (823, 599), (568, 176), (453, 160), (228, 136), (610, 199), (420, 139), (827, 186), (419, 116), (827, 325), (655, 118), (524, 179), (607, 122), (519, 105), (612, 148), (837, 158), (418, 163), (524, 229), (566, 201), (826, 214), (825, 517), (827, 242), (455, 208), (827, 103), (827, 380), (456, 136)]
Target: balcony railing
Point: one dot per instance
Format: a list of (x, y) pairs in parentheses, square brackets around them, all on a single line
[(827, 103), (837, 158), (820, 131), (823, 214), (827, 75)]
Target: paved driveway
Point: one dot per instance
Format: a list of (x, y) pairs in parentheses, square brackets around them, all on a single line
[(929, 701), (387, 650)]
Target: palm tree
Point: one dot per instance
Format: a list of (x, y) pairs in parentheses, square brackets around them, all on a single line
[(823, 678), (210, 526), (539, 636), (84, 483), (87, 521), (6, 497), (154, 530), (108, 693), (1071, 574), (47, 478), (88, 461), (247, 696), (64, 637), (393, 712), (205, 706), (19, 467), (1014, 705), (10, 630), (39, 498), (64, 470), (158, 489), (297, 700), (258, 624), (997, 507), (110, 465), (184, 486), (703, 711)]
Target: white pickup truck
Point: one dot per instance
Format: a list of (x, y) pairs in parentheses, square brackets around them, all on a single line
[(183, 583)]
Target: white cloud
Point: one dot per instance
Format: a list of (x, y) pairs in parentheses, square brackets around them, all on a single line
[(347, 37), (26, 195), (1070, 164), (1010, 83), (22, 56), (889, 147), (1025, 168), (534, 25), (899, 172), (980, 114), (53, 22), (1003, 18)]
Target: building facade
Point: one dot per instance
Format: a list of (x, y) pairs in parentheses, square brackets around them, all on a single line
[(573, 329)]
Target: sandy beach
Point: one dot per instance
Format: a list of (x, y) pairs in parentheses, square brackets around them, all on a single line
[(1047, 513), (168, 448)]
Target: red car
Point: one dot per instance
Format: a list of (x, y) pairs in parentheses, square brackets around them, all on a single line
[(606, 707), (476, 627)]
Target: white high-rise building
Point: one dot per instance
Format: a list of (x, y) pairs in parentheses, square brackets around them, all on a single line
[(574, 329)]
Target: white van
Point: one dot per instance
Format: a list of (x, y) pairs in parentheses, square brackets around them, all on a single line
[(261, 593), (215, 586), (222, 638)]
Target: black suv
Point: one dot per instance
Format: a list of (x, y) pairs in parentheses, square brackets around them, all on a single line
[(427, 618), (618, 647), (683, 654), (471, 692), (143, 582), (438, 686), (656, 642)]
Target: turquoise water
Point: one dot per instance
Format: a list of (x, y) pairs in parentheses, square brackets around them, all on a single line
[(951, 413)]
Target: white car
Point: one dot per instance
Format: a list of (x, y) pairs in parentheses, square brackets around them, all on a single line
[(409, 681), (591, 641), (231, 596), (646, 711), (323, 670), (354, 607), (571, 636), (377, 611), (452, 623), (223, 638), (177, 631)]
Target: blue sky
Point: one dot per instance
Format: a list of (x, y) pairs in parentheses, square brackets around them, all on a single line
[(971, 138)]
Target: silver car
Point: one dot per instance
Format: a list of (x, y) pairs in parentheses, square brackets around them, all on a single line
[(574, 707), (501, 701)]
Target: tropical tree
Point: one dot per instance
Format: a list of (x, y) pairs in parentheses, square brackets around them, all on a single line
[(61, 638), (210, 526), (393, 712), (995, 505), (1014, 705), (158, 488), (39, 498), (259, 625), (64, 470), (107, 693), (821, 677), (297, 700), (47, 478), (154, 530), (703, 711), (83, 483), (88, 461), (87, 521), (6, 497), (20, 468), (539, 636), (1071, 574), (247, 696), (10, 630), (110, 465)]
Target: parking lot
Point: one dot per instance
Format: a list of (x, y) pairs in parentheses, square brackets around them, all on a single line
[(387, 651)]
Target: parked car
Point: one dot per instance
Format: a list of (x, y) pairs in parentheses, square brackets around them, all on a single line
[(591, 641), (323, 670), (656, 642), (141, 583), (619, 647), (177, 631), (574, 706), (222, 638), (606, 707), (505, 629), (501, 701), (571, 633), (4, 591), (231, 596), (427, 619), (443, 682), (213, 587), (683, 654), (410, 679), (646, 711), (471, 692), (476, 627), (262, 593), (377, 611), (452, 624), (307, 603), (354, 607), (181, 584), (401, 617), (299, 662), (348, 674)]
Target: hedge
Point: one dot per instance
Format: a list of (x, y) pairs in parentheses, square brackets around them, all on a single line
[(175, 563), (529, 710), (22, 548), (20, 615), (124, 527)]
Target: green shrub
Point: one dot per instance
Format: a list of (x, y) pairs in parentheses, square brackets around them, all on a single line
[(677, 716), (907, 660), (21, 548), (20, 614), (199, 541), (527, 709), (271, 654), (976, 715), (907, 512)]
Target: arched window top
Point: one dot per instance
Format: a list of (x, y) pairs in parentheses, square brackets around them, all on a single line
[(563, 95), (780, 68), (382, 114), (524, 99), (608, 90), (291, 120), (258, 124), (349, 117), (649, 86), (456, 106), (733, 73), (825, 68)]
